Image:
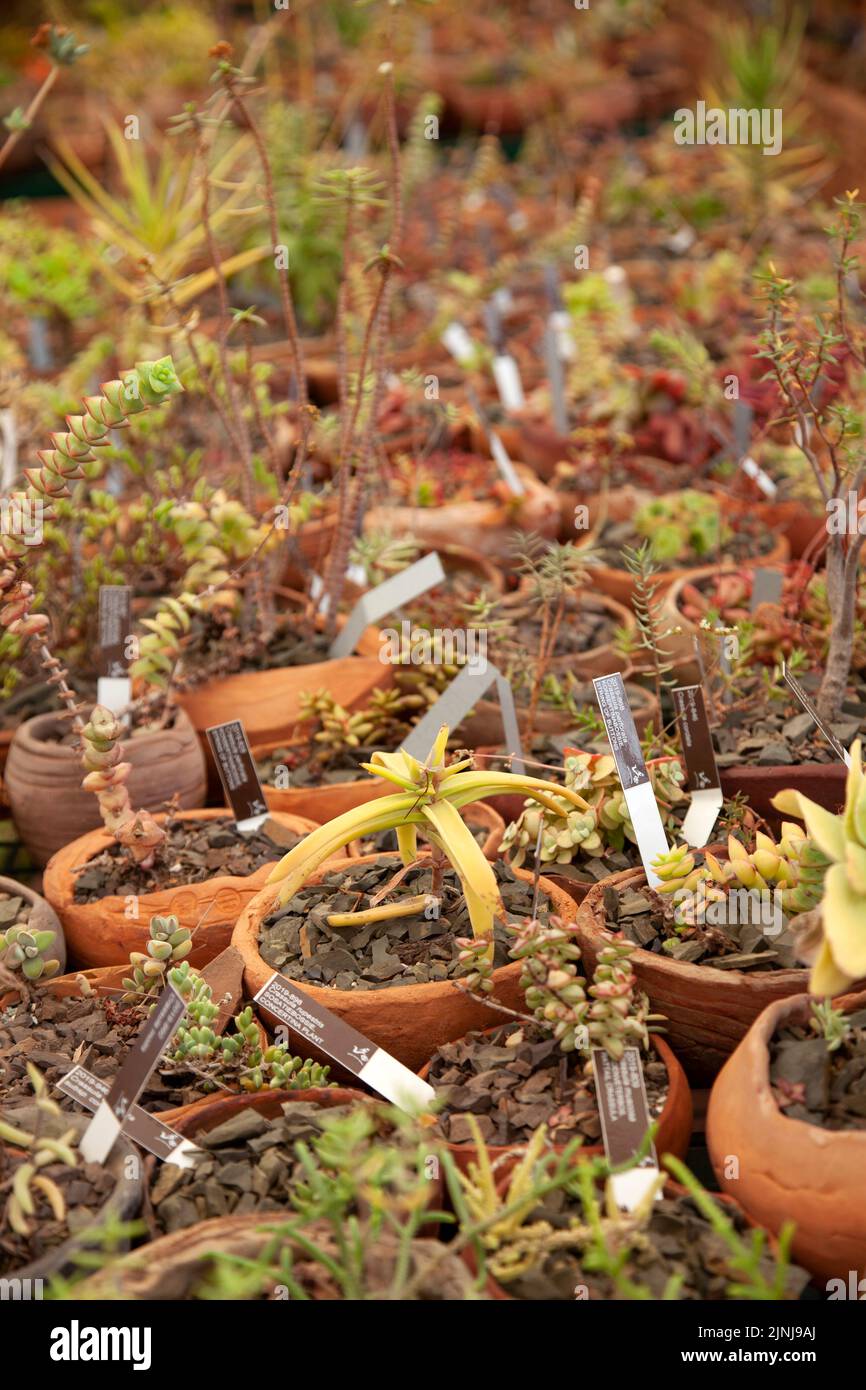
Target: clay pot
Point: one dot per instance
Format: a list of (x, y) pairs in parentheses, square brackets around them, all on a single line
[(675, 1121), (43, 779), (600, 661), (100, 933), (619, 584), (707, 1011), (787, 1169), (269, 702), (409, 1021), (204, 1115), (483, 526), (823, 782), (123, 1204), (44, 918), (6, 736), (483, 728)]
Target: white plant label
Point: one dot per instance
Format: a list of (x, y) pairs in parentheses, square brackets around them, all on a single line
[(376, 603), (455, 702), (506, 374), (632, 771)]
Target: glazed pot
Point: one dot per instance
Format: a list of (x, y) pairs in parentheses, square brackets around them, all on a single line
[(43, 917), (787, 1169), (409, 1021), (675, 1121), (707, 1011), (123, 1204), (486, 527), (100, 933), (43, 779)]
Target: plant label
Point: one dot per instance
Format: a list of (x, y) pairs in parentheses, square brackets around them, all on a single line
[(113, 686), (556, 377), (558, 320), (376, 603), (237, 769), (504, 464), (808, 706), (455, 702), (506, 374), (344, 1044), (113, 1109), (459, 344), (8, 449), (503, 299), (139, 1125), (766, 588), (622, 735), (763, 480), (624, 1114), (700, 761)]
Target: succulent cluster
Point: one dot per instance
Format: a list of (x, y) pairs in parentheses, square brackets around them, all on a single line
[(168, 942), (335, 728), (241, 1052), (606, 823), (794, 868), (611, 1014), (682, 525), (30, 1186), (24, 949)]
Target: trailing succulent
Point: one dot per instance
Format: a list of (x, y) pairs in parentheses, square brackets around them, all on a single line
[(604, 826), (614, 1016), (239, 1053), (30, 1186)]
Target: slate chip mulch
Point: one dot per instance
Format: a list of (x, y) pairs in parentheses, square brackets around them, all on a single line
[(193, 852), (781, 734), (85, 1188), (678, 1240), (249, 1164), (741, 945), (297, 940), (511, 1090), (820, 1087)]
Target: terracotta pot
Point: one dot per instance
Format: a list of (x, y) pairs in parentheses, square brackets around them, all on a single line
[(787, 1169), (483, 526), (269, 702), (100, 933), (204, 1115), (123, 1204), (44, 918), (6, 736), (823, 782), (707, 1011), (409, 1021), (675, 1121), (43, 780), (681, 644), (600, 661), (619, 584), (483, 728)]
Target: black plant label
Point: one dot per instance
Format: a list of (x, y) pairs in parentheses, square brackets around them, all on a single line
[(622, 1106), (695, 737), (237, 769), (621, 731), (115, 626)]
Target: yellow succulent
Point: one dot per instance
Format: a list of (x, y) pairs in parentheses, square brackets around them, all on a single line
[(841, 957)]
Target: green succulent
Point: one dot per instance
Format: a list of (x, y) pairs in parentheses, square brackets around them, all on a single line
[(25, 950)]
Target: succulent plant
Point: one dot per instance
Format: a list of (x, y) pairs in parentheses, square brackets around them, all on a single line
[(553, 990), (838, 958), (619, 1014), (239, 1053), (22, 948), (30, 1186), (606, 823), (685, 524), (168, 942), (794, 868), (106, 771)]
